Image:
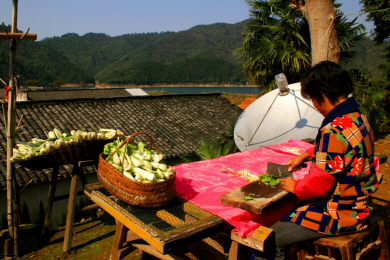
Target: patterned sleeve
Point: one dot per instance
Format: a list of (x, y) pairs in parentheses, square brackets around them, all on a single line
[(328, 160)]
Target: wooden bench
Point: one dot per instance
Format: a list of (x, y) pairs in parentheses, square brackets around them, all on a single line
[(368, 244)]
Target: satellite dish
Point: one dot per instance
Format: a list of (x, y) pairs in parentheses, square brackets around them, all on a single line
[(275, 118)]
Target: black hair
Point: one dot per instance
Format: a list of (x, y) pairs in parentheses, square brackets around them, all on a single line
[(326, 78)]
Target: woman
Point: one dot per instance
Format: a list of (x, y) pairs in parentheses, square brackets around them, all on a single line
[(337, 190)]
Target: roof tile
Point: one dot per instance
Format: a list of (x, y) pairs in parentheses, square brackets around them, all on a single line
[(175, 122)]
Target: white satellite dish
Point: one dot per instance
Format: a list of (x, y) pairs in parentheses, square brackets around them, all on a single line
[(276, 118)]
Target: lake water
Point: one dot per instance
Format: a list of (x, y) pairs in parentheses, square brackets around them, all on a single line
[(197, 90)]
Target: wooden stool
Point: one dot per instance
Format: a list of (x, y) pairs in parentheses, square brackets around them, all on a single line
[(368, 244), (256, 241)]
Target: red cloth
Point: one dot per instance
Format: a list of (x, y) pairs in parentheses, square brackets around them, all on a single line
[(203, 184), (7, 89), (310, 151), (316, 185)]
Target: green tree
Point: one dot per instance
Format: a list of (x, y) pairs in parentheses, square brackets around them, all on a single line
[(379, 13), (214, 147), (278, 40), (32, 82), (365, 93), (274, 43), (57, 84)]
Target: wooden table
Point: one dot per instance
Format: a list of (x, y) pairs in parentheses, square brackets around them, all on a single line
[(179, 223)]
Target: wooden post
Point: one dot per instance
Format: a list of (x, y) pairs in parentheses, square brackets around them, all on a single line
[(50, 200), (14, 37), (11, 128), (70, 216)]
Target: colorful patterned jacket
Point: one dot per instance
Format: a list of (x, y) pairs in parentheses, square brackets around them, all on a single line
[(341, 180)]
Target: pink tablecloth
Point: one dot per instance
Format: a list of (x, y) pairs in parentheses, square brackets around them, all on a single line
[(203, 183)]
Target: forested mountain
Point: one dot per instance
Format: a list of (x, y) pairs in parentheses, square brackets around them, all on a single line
[(202, 54)]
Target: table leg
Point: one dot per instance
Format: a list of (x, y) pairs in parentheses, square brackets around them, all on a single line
[(119, 239), (235, 253), (71, 211)]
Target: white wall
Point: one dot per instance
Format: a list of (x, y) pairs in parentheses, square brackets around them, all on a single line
[(33, 202)]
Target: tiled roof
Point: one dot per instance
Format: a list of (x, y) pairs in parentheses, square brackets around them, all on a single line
[(176, 123), (73, 94)]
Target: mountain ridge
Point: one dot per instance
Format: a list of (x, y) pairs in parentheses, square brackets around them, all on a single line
[(199, 55)]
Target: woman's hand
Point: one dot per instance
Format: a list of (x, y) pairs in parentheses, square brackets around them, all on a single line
[(288, 184), (296, 163)]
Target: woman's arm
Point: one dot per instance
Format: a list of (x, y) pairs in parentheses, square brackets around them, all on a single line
[(320, 182), (315, 185)]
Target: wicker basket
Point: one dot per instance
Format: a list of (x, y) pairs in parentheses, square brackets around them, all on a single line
[(69, 154), (40, 162), (145, 195)]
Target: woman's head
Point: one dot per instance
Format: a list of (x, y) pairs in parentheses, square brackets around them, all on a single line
[(326, 79)]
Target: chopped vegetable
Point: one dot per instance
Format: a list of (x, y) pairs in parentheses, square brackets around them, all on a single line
[(269, 179), (294, 150), (243, 174), (248, 198)]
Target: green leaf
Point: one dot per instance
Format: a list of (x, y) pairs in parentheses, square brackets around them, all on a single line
[(342, 139), (247, 198), (141, 146), (349, 154)]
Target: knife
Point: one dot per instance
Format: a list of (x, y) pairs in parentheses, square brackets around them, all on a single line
[(280, 170)]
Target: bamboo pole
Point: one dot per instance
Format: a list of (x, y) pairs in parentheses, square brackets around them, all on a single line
[(17, 36), (11, 132)]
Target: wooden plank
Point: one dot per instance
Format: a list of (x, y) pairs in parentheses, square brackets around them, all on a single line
[(169, 218), (16, 36), (263, 196), (257, 239)]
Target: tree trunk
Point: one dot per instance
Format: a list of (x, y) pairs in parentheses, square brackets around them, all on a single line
[(324, 41)]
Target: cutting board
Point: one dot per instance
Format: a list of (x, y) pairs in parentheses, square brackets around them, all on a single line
[(263, 195)]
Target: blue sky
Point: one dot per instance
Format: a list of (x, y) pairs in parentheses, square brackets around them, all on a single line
[(48, 18)]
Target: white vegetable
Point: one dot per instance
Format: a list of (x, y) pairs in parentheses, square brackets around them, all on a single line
[(50, 146), (160, 174), (162, 166), (128, 175), (51, 135), (155, 157), (155, 164), (136, 162), (60, 143), (146, 156), (145, 174), (138, 156), (116, 159), (57, 133), (147, 165)]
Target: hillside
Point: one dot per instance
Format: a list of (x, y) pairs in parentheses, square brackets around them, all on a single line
[(202, 54)]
